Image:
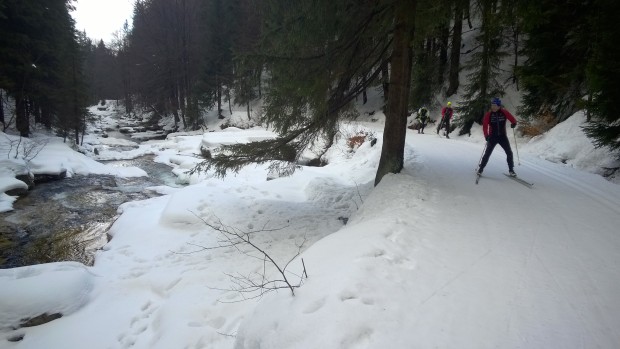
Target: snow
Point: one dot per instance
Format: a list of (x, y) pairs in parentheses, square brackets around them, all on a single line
[(567, 143), (73, 280), (427, 259)]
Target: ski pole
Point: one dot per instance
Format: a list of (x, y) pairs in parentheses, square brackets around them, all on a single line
[(516, 147), (483, 151)]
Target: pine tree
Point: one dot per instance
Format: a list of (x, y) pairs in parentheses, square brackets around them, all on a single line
[(483, 67), (34, 43), (556, 48), (455, 52), (219, 36), (430, 51), (392, 152), (248, 67), (603, 75)]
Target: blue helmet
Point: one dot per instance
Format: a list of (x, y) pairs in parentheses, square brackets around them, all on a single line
[(496, 101)]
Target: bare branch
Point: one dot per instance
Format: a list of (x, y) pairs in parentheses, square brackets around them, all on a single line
[(253, 285)]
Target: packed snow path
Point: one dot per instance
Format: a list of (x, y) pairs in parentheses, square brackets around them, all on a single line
[(502, 255)]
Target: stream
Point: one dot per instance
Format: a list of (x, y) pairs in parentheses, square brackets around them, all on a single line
[(68, 220)]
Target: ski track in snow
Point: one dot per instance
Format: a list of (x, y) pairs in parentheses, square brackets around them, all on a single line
[(609, 201), (551, 265)]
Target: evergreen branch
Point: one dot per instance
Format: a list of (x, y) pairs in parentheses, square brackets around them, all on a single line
[(345, 43)]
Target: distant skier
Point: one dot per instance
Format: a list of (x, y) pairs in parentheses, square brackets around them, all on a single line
[(494, 128), (446, 115), (422, 118)]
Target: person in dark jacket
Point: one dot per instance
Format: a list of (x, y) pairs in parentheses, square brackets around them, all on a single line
[(446, 115), (494, 128), (422, 118)]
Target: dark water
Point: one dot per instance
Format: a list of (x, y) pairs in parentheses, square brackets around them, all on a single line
[(67, 220)]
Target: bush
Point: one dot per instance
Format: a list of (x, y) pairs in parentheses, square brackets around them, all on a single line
[(539, 124), (356, 140)]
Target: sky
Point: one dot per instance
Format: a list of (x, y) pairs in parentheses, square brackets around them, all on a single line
[(427, 259), (101, 18)]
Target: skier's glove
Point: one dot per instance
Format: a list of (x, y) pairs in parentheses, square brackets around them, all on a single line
[(513, 125), (487, 138)]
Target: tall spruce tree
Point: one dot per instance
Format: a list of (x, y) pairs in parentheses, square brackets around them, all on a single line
[(220, 31), (247, 66), (21, 56), (35, 41), (430, 50), (455, 52), (394, 133), (556, 47), (603, 75), (484, 66)]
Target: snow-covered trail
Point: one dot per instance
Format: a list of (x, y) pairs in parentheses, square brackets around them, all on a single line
[(553, 250)]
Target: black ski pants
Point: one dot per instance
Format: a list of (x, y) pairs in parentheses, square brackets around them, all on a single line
[(422, 126), (445, 124), (491, 143)]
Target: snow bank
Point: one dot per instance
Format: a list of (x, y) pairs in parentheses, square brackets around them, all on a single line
[(347, 286), (54, 288), (568, 144), (46, 155), (234, 135)]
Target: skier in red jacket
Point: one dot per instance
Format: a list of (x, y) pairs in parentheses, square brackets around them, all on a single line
[(494, 128), (446, 115)]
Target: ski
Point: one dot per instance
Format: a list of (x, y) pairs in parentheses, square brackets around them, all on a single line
[(519, 180)]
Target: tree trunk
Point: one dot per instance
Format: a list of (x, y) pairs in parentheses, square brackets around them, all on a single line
[(219, 97), (182, 102), (443, 52), (260, 85), (385, 72), (22, 119), (515, 52), (36, 112), (126, 80), (455, 54), (395, 130), (46, 114), (2, 112)]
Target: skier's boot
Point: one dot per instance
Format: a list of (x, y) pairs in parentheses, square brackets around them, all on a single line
[(512, 173)]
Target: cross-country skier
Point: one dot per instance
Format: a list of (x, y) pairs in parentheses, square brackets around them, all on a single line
[(423, 118), (446, 115), (494, 128)]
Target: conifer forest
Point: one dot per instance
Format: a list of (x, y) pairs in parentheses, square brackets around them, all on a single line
[(307, 61)]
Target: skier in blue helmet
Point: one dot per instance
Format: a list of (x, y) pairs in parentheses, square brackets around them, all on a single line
[(494, 128)]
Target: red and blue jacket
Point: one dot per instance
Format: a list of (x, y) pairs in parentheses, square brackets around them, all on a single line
[(494, 123)]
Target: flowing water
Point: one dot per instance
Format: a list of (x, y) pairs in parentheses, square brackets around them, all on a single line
[(67, 220)]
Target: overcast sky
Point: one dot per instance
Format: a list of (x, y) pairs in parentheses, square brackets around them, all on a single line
[(101, 18)]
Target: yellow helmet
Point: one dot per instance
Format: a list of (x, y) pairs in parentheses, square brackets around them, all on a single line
[(449, 104)]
